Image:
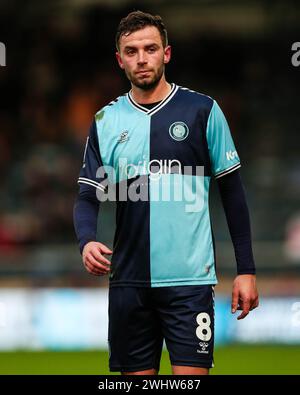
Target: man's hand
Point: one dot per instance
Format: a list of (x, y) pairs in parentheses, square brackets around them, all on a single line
[(93, 259), (244, 294)]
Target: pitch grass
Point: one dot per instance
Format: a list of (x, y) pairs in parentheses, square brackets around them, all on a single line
[(233, 359)]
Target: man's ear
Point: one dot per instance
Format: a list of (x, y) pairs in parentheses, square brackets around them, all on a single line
[(118, 56), (167, 54)]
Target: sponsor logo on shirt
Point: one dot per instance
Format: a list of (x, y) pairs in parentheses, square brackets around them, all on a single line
[(230, 155), (123, 137)]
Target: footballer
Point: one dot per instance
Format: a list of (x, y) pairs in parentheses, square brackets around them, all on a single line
[(156, 150)]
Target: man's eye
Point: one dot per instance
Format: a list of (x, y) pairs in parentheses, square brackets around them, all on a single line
[(151, 50), (130, 52)]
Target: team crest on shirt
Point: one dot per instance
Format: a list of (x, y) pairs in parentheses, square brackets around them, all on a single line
[(179, 131)]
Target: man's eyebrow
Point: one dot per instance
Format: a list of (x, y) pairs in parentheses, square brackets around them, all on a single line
[(146, 46), (152, 45), (129, 47)]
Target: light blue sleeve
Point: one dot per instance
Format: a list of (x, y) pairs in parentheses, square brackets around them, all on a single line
[(223, 155)]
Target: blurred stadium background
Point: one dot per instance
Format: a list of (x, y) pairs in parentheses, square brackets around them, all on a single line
[(60, 70)]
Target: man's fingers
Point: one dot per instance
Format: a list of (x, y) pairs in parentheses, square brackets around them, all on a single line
[(243, 315), (105, 250), (246, 308), (90, 259), (97, 265), (99, 257), (94, 261), (93, 270), (255, 304), (234, 302), (244, 295)]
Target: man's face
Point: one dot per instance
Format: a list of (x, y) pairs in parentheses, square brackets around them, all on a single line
[(143, 57)]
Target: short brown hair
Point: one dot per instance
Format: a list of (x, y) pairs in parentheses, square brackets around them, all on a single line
[(137, 20)]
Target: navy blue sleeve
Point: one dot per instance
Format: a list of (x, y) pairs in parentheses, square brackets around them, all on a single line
[(85, 216), (237, 214), (86, 207)]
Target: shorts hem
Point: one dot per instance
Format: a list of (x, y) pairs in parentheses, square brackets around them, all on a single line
[(193, 364), (132, 368), (162, 284)]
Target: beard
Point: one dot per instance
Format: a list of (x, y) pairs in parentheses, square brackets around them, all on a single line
[(147, 83)]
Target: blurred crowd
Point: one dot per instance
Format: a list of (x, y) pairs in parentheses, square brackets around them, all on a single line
[(55, 80)]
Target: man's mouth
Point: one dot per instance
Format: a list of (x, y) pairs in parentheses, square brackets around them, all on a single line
[(143, 72)]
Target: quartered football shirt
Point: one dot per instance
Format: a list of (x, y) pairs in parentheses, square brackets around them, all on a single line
[(157, 164)]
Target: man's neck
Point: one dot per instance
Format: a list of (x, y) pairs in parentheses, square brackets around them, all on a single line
[(156, 94)]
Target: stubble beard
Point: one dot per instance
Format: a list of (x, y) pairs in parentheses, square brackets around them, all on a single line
[(147, 84)]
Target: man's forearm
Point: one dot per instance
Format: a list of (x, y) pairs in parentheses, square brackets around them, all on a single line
[(85, 215), (237, 214)]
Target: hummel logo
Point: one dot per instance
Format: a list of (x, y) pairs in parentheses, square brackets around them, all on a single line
[(203, 346), (231, 155), (123, 137)]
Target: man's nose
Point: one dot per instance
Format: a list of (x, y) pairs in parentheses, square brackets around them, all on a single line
[(141, 58)]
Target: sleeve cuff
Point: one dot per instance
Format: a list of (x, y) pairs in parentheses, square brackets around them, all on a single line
[(245, 271), (88, 181), (228, 170)]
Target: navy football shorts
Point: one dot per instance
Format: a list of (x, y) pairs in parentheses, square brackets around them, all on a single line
[(141, 318)]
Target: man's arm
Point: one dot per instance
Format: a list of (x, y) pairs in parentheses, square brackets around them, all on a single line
[(244, 293), (86, 209), (85, 215), (225, 162)]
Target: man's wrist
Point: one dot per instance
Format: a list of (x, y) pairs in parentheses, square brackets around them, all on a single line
[(84, 243), (250, 271)]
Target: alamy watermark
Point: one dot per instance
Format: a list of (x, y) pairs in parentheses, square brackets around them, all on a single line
[(158, 180), (296, 55), (2, 55)]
